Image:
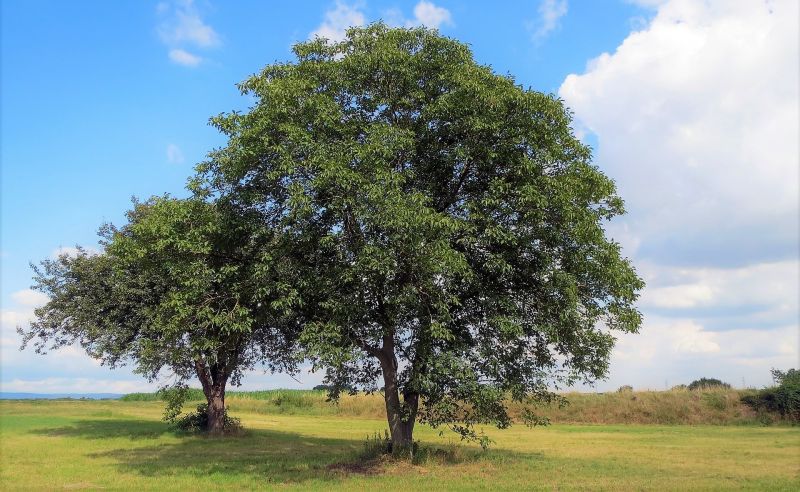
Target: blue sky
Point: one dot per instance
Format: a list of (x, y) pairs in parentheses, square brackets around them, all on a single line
[(692, 107)]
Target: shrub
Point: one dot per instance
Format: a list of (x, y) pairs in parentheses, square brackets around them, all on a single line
[(784, 398), (679, 387), (707, 383), (376, 446), (198, 421), (625, 389)]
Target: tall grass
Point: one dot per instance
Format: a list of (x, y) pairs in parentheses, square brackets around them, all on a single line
[(716, 406)]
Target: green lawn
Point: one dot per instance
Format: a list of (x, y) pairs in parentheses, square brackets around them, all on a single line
[(124, 445)]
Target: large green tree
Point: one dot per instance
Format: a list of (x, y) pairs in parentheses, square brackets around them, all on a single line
[(451, 222), (185, 289)]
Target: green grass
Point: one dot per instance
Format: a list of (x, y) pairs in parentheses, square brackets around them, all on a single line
[(123, 445)]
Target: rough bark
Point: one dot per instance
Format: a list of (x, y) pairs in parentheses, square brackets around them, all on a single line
[(213, 379), (216, 410), (400, 415)]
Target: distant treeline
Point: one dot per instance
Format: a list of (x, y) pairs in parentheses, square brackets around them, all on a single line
[(713, 406)]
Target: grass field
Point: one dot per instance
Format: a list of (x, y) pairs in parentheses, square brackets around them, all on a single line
[(124, 445)]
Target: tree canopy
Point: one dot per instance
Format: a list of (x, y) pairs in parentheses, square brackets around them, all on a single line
[(187, 288), (705, 383), (448, 225)]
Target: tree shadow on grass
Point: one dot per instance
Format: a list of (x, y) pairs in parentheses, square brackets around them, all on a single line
[(257, 457), (108, 429)]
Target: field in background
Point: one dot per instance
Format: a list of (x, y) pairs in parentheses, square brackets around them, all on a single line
[(124, 445), (710, 406)]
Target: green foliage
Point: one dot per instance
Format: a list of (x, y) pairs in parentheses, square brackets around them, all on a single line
[(187, 287), (448, 225), (175, 396), (198, 421), (782, 399), (707, 383), (625, 389)]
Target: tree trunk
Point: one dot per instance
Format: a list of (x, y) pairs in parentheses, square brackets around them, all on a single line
[(216, 409), (213, 380), (401, 416)]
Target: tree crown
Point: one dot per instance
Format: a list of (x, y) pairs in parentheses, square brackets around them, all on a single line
[(451, 221)]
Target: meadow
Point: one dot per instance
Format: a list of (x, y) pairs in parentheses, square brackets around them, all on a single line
[(296, 440)]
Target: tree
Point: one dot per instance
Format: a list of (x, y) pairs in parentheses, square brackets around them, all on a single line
[(186, 286), (782, 398), (706, 383), (451, 222)]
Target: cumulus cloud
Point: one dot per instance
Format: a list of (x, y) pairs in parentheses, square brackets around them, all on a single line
[(26, 371), (696, 117), (550, 14), (342, 16), (429, 15), (763, 294), (174, 154), (678, 351), (29, 298), (69, 360), (182, 25), (183, 57), (337, 20), (425, 14)]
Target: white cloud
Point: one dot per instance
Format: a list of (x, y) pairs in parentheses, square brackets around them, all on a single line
[(183, 57), (550, 14), (182, 25), (764, 293), (680, 351), (12, 318), (429, 15), (174, 154), (29, 298), (76, 385), (696, 118), (338, 20), (343, 16), (425, 14)]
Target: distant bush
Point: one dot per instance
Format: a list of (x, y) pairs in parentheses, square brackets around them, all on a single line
[(625, 389), (784, 398), (707, 383), (679, 387)]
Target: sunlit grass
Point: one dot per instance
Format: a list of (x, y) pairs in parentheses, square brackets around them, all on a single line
[(123, 445)]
